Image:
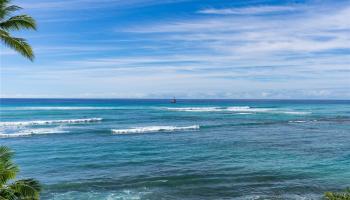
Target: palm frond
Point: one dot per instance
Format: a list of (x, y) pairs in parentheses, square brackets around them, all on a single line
[(19, 22), (6, 10), (5, 152), (26, 189), (13, 8), (8, 23), (18, 44), (338, 195), (7, 194), (3, 3), (8, 170)]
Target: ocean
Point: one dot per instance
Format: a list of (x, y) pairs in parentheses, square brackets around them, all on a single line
[(194, 149)]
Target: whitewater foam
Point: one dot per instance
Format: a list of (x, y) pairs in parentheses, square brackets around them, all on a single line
[(303, 121), (238, 110), (59, 108), (296, 113), (297, 121), (196, 109), (149, 129), (45, 122), (248, 109), (241, 109), (29, 132)]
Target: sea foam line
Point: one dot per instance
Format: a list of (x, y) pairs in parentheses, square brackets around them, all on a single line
[(237, 110), (149, 129), (60, 108), (297, 121), (220, 109), (30, 132), (196, 109), (45, 122)]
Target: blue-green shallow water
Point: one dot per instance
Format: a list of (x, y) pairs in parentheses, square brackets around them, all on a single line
[(195, 149)]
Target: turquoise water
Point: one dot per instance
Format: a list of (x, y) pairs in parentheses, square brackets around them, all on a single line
[(195, 149)]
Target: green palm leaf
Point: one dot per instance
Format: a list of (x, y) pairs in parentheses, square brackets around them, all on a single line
[(7, 194), (26, 189), (8, 170), (18, 44), (6, 11), (15, 23), (5, 153), (18, 22), (338, 195)]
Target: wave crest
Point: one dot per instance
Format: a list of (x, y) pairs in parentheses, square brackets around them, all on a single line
[(221, 109), (41, 131), (196, 109), (45, 122), (238, 110), (149, 129), (59, 108)]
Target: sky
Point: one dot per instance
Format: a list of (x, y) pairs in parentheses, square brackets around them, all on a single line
[(239, 49)]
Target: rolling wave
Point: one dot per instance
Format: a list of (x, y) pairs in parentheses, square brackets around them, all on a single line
[(149, 129), (59, 108), (297, 121), (46, 122), (196, 109), (237, 110), (29, 132), (241, 109)]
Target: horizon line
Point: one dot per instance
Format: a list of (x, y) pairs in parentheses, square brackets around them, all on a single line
[(107, 98)]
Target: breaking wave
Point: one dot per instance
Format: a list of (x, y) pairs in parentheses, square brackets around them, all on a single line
[(296, 113), (45, 122), (297, 121), (29, 132), (221, 109), (149, 129), (237, 110), (196, 109), (59, 108)]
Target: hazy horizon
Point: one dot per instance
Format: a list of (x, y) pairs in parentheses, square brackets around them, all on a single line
[(170, 98)]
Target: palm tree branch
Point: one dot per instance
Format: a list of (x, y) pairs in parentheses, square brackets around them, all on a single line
[(7, 169), (7, 10), (18, 22), (5, 152), (4, 2), (26, 188), (8, 172), (18, 44), (6, 193), (12, 8)]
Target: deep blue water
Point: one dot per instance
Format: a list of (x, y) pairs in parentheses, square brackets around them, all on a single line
[(195, 149)]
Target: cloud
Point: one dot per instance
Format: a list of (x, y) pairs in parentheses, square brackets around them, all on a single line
[(7, 52), (90, 4), (252, 52), (240, 35), (248, 10)]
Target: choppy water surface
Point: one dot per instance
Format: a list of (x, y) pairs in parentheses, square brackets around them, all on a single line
[(195, 149)]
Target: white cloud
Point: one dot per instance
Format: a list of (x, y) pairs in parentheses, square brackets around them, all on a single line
[(6, 52), (232, 55), (248, 10), (237, 41), (88, 4)]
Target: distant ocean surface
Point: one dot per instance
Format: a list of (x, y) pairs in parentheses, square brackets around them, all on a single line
[(194, 149)]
